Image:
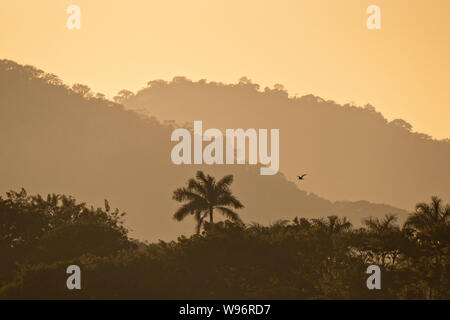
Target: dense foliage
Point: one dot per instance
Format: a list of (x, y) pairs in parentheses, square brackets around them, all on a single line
[(70, 140), (36, 230), (300, 259)]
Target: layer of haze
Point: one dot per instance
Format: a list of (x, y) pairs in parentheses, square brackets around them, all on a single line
[(319, 47), (64, 141)]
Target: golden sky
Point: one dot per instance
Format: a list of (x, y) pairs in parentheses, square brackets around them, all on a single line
[(317, 46)]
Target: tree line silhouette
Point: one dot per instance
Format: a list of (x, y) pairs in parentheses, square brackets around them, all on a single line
[(302, 258)]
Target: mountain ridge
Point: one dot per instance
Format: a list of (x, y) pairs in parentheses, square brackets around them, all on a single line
[(67, 140), (352, 152)]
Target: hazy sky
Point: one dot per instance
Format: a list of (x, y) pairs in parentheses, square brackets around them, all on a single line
[(318, 46)]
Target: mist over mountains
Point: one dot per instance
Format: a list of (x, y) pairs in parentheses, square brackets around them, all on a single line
[(58, 139), (349, 152)]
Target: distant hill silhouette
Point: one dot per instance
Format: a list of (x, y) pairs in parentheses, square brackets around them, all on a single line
[(349, 152), (68, 140)]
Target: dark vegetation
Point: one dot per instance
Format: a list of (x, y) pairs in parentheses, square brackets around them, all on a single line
[(299, 259), (350, 152), (203, 196)]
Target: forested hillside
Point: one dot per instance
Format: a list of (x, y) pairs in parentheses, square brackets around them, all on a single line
[(350, 152), (58, 139)]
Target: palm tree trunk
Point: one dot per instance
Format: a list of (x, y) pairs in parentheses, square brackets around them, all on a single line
[(211, 219)]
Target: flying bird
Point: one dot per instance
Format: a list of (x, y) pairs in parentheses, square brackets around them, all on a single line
[(301, 177)]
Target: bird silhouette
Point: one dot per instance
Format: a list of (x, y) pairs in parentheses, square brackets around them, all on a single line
[(301, 177)]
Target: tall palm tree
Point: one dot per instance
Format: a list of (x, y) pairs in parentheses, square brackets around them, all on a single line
[(428, 215), (329, 229), (203, 195), (430, 227)]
